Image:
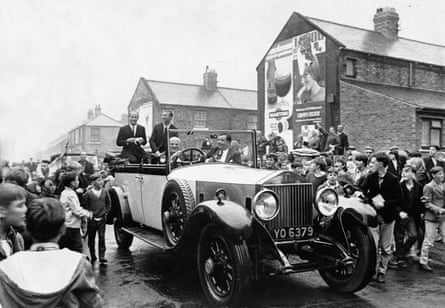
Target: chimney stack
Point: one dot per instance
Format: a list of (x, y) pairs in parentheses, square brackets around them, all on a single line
[(90, 114), (210, 79), (97, 110), (386, 21)]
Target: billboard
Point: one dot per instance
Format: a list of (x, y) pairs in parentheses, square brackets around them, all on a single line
[(295, 86)]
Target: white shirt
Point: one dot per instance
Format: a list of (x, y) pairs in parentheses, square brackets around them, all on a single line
[(73, 210), (5, 247), (97, 192), (224, 155)]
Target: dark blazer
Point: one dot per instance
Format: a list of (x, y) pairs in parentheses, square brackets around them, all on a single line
[(429, 164), (413, 207), (232, 156), (343, 144), (158, 139), (88, 167), (130, 149), (390, 191), (396, 171)]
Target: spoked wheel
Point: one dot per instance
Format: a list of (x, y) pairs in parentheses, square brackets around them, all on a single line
[(177, 204), (123, 239), (224, 267), (358, 274)]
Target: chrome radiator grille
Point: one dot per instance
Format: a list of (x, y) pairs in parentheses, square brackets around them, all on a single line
[(295, 205)]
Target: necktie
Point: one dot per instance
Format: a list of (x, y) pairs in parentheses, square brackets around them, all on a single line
[(380, 181)]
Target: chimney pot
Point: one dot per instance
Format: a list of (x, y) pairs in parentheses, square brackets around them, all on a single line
[(97, 110), (386, 21), (90, 114), (210, 79)]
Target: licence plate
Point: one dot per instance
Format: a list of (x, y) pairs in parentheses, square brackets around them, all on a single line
[(292, 233)]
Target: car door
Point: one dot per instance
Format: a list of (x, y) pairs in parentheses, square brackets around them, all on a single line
[(131, 183), (154, 180)]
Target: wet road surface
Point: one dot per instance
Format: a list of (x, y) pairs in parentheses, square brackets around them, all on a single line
[(147, 277)]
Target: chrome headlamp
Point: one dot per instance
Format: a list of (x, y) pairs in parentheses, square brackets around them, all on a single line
[(326, 201), (265, 205)]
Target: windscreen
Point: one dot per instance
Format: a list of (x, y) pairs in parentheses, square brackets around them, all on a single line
[(188, 147)]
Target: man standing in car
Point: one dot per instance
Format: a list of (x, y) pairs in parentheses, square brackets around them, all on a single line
[(131, 137), (158, 139)]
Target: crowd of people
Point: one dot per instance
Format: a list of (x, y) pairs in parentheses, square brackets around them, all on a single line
[(406, 190), (50, 220)]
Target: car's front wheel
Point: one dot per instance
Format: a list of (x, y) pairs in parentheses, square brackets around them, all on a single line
[(225, 269), (123, 239), (363, 253)]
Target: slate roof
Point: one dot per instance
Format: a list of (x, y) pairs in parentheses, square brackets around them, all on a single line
[(196, 95), (376, 43), (422, 99), (368, 41), (102, 120)]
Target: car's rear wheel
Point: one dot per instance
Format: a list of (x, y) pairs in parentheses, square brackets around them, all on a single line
[(123, 239), (177, 204), (363, 252), (225, 268)]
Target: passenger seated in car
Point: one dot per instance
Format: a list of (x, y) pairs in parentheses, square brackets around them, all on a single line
[(175, 152), (223, 152)]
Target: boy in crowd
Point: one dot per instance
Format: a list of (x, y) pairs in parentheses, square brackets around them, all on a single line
[(332, 182), (383, 190), (46, 276), (74, 213), (297, 168), (97, 200), (405, 230), (434, 214), (12, 214)]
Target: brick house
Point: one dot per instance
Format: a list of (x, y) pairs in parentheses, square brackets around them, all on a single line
[(386, 90), (95, 136), (206, 106)]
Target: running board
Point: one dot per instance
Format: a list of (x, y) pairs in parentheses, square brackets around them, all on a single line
[(152, 237)]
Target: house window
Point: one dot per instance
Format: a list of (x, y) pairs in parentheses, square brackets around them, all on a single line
[(350, 67), (200, 119), (95, 134), (431, 132), (252, 122)]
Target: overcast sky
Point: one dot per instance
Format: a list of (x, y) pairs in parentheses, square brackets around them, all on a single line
[(58, 58)]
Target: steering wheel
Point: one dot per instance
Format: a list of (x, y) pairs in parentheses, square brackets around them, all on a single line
[(186, 156)]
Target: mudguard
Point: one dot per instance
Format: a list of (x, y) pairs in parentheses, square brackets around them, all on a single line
[(233, 219), (119, 205), (361, 212)]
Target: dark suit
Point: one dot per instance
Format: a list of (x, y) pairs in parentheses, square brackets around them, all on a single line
[(158, 139), (87, 166), (390, 191), (397, 171), (429, 164), (343, 144), (134, 152), (233, 156)]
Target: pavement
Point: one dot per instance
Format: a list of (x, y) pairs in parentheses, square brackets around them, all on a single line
[(148, 277)]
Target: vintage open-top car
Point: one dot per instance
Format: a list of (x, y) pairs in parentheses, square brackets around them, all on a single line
[(240, 222)]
